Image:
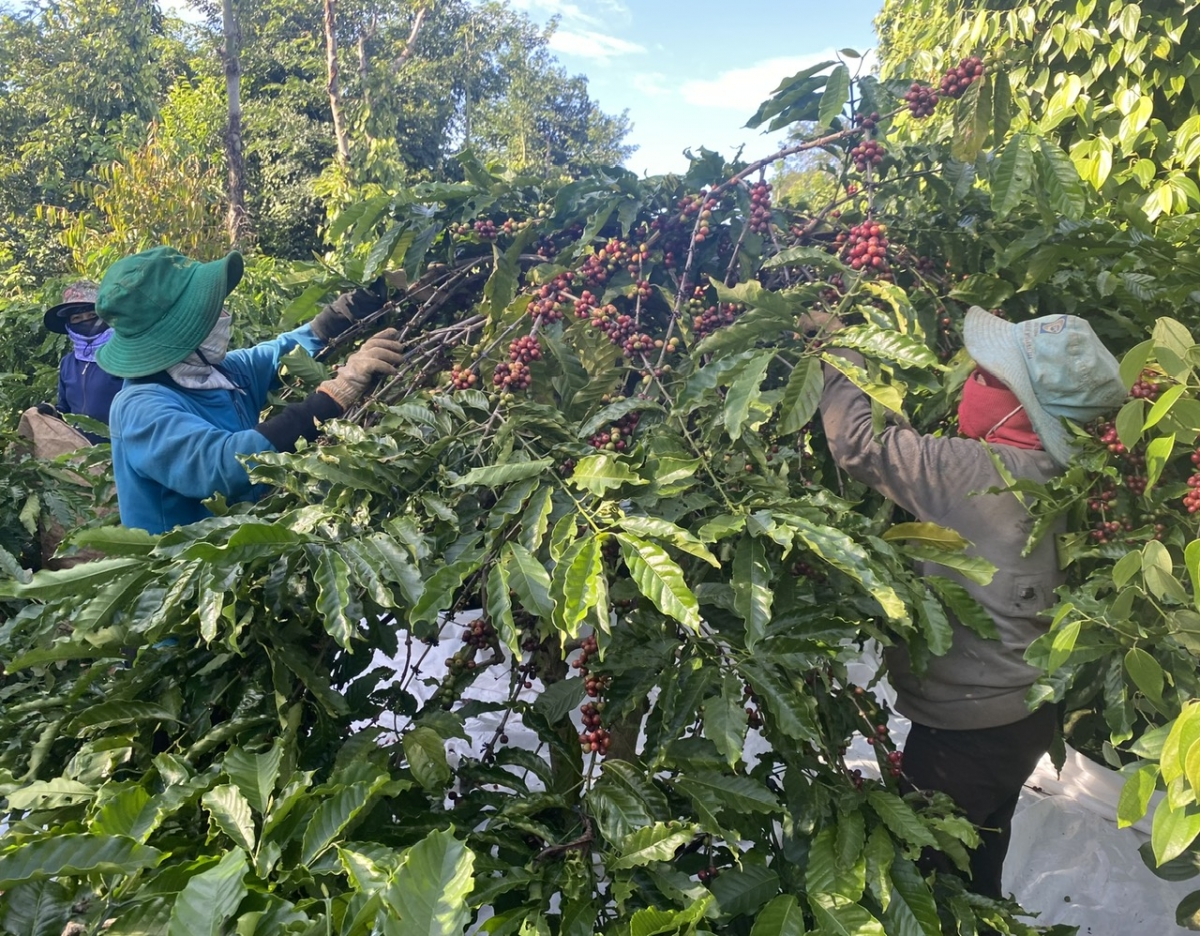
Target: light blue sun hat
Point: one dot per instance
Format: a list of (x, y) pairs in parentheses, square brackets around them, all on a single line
[(1055, 365)]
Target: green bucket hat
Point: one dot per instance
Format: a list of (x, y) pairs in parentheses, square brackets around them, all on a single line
[(1055, 365), (161, 306)]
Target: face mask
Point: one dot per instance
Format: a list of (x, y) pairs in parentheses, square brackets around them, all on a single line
[(992, 413), (198, 371), (88, 337)]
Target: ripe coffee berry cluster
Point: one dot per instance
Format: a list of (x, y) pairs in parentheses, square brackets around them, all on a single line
[(867, 245), (1107, 433), (958, 79), (594, 737), (486, 229), (1191, 500), (525, 349), (616, 438), (868, 121), (760, 208), (895, 761), (462, 379), (548, 301), (479, 635), (598, 267), (1146, 387), (715, 317), (922, 100), (512, 375), (704, 875), (867, 153)]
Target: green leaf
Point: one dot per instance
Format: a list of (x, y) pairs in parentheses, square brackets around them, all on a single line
[(791, 710), (340, 612), (1013, 175), (1061, 180), (230, 812), (1183, 733), (781, 917), (37, 908), (972, 121), (383, 253), (741, 892), (1158, 453), (1135, 795), (1129, 422), (255, 774), (576, 583), (210, 898), (900, 819), (442, 588), (426, 754), (496, 475), (884, 343), (912, 908), (660, 579), (658, 842), (677, 536), (46, 586), (499, 608), (1134, 361), (975, 568), (752, 594), (801, 396), (928, 533), (337, 812), (602, 472), (725, 720), (743, 392), (1146, 674), (723, 792), (529, 579), (834, 97), (429, 890), (1173, 830), (559, 699), (109, 714), (843, 553), (67, 854), (963, 605), (1162, 406), (838, 916), (983, 289)]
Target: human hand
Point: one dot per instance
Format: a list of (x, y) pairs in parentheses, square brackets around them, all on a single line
[(378, 357)]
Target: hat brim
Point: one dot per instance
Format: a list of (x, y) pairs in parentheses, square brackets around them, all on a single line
[(55, 319), (995, 346), (181, 330)]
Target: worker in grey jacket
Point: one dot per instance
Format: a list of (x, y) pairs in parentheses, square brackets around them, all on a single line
[(972, 735)]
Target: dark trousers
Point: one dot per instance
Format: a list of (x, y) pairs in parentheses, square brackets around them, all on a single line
[(983, 770)]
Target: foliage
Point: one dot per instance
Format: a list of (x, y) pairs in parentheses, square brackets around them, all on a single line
[(600, 456)]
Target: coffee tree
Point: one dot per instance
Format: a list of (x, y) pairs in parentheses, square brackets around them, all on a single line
[(600, 474)]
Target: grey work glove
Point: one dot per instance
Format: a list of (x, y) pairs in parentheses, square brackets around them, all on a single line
[(378, 357)]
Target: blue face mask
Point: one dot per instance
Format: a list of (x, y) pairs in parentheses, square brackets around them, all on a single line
[(88, 337)]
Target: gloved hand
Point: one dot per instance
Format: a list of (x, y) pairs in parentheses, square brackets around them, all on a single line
[(378, 357), (357, 304)]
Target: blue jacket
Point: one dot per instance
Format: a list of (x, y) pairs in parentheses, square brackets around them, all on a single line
[(85, 388), (173, 448)]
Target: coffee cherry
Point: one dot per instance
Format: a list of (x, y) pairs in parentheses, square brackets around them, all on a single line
[(461, 379), (922, 100), (525, 350), (866, 247), (486, 230), (514, 375), (760, 208), (957, 80), (867, 153)]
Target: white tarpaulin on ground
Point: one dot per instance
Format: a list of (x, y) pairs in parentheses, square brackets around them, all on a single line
[(1068, 861)]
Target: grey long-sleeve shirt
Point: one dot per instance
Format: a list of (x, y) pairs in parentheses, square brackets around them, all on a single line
[(979, 683)]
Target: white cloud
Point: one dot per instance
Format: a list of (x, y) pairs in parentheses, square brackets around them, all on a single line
[(604, 10), (588, 43), (743, 89), (652, 84)]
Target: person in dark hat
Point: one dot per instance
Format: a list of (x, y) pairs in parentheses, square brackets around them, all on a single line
[(972, 734), (84, 387), (189, 407)]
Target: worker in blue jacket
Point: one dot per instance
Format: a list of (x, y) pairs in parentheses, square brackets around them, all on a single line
[(189, 409), (84, 387)]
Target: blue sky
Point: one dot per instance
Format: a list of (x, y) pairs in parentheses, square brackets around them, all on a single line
[(691, 72)]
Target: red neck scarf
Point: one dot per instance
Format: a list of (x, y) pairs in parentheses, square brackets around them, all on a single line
[(992, 413)]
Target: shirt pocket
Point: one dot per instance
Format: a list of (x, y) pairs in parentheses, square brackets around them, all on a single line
[(1029, 595)]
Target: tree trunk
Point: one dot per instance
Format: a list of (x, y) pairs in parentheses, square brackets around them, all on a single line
[(335, 94), (237, 222)]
